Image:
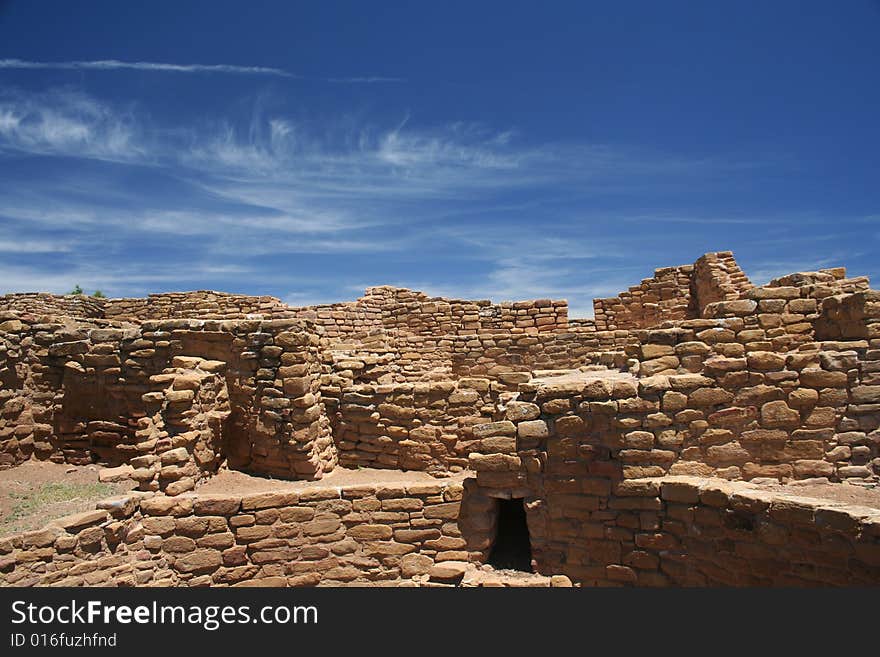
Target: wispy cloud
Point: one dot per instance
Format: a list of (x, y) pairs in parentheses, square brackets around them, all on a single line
[(66, 122), (10, 245), (165, 67), (120, 279), (264, 197), (370, 79), (115, 64)]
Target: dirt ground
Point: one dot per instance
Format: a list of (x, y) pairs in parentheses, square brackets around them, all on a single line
[(845, 493), (233, 481), (35, 492)]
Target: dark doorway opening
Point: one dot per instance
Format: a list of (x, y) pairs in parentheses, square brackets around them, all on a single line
[(512, 548)]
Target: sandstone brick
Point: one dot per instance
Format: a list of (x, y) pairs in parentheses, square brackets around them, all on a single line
[(817, 378), (370, 532), (533, 429), (503, 428), (518, 411), (198, 561), (779, 414), (216, 505)]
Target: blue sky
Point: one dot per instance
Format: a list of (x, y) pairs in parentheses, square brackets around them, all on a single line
[(478, 150)]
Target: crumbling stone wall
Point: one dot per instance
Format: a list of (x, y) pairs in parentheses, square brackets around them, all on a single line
[(688, 531), (853, 316), (673, 293), (695, 411), (577, 453), (34, 352), (713, 533), (199, 304), (693, 374), (182, 433), (717, 277), (381, 358)]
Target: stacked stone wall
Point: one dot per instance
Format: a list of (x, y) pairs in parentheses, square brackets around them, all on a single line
[(665, 296), (200, 304), (656, 532), (413, 426), (40, 303), (718, 277), (323, 536), (79, 393), (403, 312)]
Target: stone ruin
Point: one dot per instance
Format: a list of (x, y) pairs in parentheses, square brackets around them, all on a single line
[(662, 443)]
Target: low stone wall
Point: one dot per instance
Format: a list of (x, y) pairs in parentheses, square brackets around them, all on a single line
[(41, 303), (685, 531), (688, 531), (315, 536), (657, 532), (405, 312), (200, 304)]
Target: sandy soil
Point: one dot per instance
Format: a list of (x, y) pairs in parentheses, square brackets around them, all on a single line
[(35, 492), (233, 481)]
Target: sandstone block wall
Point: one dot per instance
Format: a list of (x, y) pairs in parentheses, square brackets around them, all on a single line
[(629, 458), (503, 356), (717, 277), (713, 533), (756, 415), (316, 536), (673, 293), (80, 392), (400, 311), (581, 456), (665, 296), (200, 304), (38, 303), (853, 316), (34, 352), (182, 433), (686, 531), (413, 426), (670, 531), (752, 393)]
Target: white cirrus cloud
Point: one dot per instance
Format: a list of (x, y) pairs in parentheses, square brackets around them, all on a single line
[(67, 123), (115, 64)]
